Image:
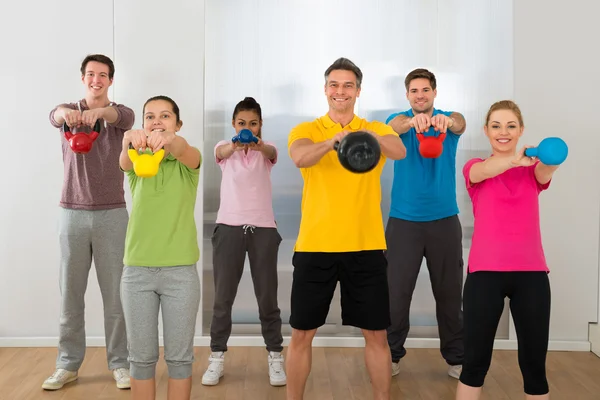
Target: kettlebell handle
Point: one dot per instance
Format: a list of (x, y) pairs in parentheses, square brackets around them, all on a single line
[(131, 147), (97, 127)]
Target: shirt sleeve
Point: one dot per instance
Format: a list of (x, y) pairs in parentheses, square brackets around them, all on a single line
[(381, 129), (538, 185), (217, 159), (53, 122), (125, 117), (194, 173), (466, 173), (273, 161), (301, 131), (132, 178)]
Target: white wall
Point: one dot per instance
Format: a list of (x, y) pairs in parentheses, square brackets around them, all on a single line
[(556, 85), (159, 49), (284, 72), (41, 69)]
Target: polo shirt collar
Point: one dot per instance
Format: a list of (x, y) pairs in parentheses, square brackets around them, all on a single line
[(328, 122)]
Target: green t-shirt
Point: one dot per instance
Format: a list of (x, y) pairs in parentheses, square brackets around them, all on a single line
[(162, 227)]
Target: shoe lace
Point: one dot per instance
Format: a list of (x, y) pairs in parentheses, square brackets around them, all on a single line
[(58, 374), (120, 373), (214, 363), (276, 362)]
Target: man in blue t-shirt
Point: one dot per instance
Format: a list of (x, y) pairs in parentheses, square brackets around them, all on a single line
[(423, 220)]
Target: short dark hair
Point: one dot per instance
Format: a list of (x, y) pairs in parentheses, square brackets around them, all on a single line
[(420, 73), (346, 65), (165, 98), (101, 59)]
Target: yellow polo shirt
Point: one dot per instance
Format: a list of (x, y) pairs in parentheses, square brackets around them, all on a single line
[(341, 210)]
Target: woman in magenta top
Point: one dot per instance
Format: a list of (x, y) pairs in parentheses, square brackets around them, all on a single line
[(506, 257), (246, 224)]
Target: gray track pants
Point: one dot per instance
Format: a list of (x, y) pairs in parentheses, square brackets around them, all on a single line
[(85, 235), (176, 292)]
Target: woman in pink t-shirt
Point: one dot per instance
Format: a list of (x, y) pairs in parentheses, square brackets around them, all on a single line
[(506, 257), (246, 224)]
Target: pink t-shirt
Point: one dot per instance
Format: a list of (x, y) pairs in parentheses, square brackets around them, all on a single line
[(506, 235), (246, 195)]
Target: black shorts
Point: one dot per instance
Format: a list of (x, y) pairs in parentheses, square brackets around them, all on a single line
[(363, 288)]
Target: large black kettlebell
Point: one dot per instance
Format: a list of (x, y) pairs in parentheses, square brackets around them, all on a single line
[(358, 152)]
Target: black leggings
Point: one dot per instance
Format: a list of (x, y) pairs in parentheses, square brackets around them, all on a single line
[(483, 303)]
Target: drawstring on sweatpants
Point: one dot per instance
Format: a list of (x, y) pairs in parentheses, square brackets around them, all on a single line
[(246, 227)]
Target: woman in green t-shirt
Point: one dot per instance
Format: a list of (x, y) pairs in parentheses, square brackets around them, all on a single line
[(161, 251)]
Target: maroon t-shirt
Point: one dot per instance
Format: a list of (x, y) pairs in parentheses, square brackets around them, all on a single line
[(94, 181)]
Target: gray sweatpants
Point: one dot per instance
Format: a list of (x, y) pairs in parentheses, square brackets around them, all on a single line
[(176, 292), (440, 242), (85, 235), (230, 244)]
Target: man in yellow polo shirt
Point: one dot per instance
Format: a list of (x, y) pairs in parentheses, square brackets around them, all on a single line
[(341, 234)]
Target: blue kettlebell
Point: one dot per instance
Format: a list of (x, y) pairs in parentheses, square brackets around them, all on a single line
[(245, 137), (550, 151)]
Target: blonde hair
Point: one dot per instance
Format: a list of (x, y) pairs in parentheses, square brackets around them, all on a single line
[(505, 105)]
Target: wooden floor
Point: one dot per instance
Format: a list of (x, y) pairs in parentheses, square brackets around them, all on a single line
[(337, 374)]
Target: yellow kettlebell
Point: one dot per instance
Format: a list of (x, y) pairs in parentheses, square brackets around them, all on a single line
[(145, 165)]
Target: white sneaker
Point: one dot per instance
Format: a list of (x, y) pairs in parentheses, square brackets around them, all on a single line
[(455, 371), (276, 373), (215, 369), (122, 378), (59, 378), (395, 368)]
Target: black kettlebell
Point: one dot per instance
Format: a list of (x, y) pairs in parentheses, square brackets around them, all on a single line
[(358, 152)]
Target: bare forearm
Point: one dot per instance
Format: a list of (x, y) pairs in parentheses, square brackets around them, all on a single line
[(400, 124), (268, 152), (307, 154), (544, 173), (489, 168), (109, 114), (224, 151), (459, 123), (178, 146), (59, 114), (392, 147), (184, 153), (124, 160)]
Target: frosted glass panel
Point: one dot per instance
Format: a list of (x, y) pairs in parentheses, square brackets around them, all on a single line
[(277, 52)]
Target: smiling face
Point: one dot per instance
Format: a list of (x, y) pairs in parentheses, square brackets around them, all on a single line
[(420, 95), (503, 129), (159, 115), (96, 79), (342, 91)]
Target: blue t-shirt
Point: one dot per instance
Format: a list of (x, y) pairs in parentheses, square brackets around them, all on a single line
[(424, 189)]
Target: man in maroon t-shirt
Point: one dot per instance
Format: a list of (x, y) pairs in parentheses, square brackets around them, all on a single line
[(92, 223)]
